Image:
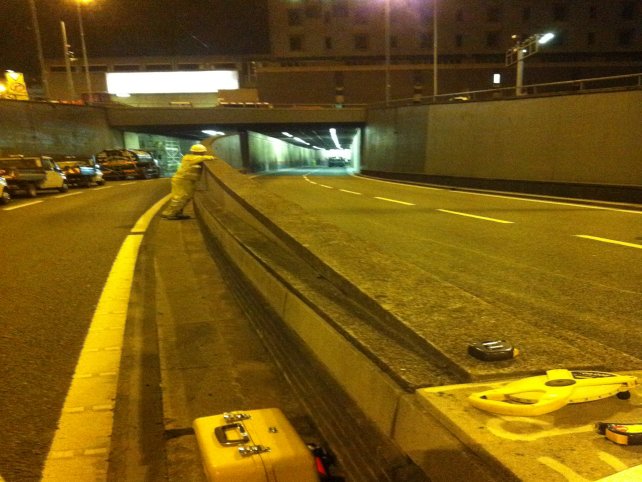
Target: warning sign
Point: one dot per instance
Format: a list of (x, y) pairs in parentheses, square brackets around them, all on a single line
[(15, 86)]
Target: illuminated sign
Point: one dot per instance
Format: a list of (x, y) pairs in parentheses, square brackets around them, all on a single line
[(204, 81)]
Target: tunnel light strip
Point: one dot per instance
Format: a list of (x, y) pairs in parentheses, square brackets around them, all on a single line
[(335, 139)]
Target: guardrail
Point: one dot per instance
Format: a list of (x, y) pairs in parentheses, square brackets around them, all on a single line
[(597, 84)]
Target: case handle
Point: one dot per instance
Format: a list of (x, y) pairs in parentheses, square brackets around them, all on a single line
[(222, 430)]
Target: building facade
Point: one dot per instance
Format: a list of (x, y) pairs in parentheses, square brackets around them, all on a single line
[(368, 51)]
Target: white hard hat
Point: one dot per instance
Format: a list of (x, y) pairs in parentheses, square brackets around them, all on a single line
[(198, 148)]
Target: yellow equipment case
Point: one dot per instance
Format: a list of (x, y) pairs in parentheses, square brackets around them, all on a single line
[(253, 446)]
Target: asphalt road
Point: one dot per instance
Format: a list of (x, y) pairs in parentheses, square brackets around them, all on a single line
[(557, 265), (57, 251)]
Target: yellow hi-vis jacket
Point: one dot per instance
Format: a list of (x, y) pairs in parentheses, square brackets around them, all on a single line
[(190, 168)]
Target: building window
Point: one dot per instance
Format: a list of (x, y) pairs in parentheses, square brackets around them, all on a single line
[(628, 10), (590, 39), (340, 8), (526, 14), (361, 41), (294, 17), (313, 11), (560, 13), (425, 41), (493, 14), (492, 39), (361, 15), (625, 38), (296, 43), (459, 40), (328, 43)]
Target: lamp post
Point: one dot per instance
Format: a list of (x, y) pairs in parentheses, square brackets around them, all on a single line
[(435, 62), (387, 49), (41, 58), (83, 45), (522, 50)]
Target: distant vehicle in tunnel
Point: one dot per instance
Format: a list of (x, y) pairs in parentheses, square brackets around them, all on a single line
[(81, 171), (337, 162), (32, 174)]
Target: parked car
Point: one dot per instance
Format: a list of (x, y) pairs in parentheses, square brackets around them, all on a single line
[(32, 174), (5, 197), (128, 164), (337, 162), (81, 171)]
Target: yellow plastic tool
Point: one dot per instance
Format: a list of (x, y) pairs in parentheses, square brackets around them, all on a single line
[(546, 393)]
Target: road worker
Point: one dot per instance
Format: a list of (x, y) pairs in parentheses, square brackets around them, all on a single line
[(184, 181)]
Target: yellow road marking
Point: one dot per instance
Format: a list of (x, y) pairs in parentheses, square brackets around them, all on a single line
[(81, 444), (475, 216), (350, 192), (394, 201), (610, 241)]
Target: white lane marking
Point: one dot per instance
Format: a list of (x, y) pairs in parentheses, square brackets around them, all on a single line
[(502, 196), (327, 187), (494, 220), (130, 183), (83, 437), (350, 192), (22, 205), (68, 194), (394, 201), (102, 187), (610, 241), (612, 461), (565, 471)]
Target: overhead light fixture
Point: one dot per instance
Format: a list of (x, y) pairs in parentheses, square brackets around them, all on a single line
[(212, 132), (286, 134), (298, 139), (547, 37), (335, 139)]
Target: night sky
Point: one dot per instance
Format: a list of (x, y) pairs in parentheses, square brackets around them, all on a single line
[(132, 27)]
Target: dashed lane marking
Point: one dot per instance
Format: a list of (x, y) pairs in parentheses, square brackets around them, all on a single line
[(75, 193), (325, 186), (394, 201), (610, 241), (484, 218), (22, 205), (351, 192)]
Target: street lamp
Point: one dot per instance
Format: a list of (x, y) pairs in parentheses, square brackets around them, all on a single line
[(84, 47), (434, 51), (41, 57), (522, 50)]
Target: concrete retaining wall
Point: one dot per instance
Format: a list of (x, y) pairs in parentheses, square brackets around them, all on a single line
[(589, 138), (32, 128)]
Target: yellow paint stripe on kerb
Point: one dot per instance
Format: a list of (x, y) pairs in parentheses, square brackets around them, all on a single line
[(81, 445), (610, 241), (494, 220)]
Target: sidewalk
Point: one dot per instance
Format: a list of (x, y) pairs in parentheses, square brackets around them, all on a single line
[(211, 358)]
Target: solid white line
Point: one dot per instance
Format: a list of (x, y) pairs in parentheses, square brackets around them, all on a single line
[(22, 205), (394, 201), (610, 241), (475, 216), (350, 192), (85, 425)]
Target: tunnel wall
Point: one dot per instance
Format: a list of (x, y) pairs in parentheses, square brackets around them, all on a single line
[(33, 128), (591, 138)]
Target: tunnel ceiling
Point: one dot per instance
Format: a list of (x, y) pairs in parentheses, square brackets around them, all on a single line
[(315, 135)]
